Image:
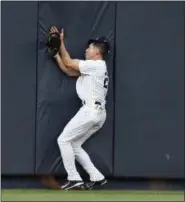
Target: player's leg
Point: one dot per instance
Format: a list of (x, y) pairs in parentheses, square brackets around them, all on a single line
[(96, 177), (76, 128), (83, 158), (67, 152)]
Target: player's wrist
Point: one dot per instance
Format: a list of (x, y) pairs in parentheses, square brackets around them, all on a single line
[(62, 40), (56, 56)]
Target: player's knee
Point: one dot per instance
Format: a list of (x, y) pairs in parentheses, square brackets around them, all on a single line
[(61, 140)]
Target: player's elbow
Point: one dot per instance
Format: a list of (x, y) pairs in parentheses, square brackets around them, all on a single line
[(73, 74), (69, 64), (73, 64)]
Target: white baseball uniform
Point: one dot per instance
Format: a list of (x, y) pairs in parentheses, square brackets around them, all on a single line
[(91, 88)]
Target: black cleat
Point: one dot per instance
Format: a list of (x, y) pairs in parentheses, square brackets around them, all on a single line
[(94, 184), (73, 185)]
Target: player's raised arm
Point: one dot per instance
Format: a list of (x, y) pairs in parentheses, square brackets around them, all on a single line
[(63, 67), (68, 61), (67, 71)]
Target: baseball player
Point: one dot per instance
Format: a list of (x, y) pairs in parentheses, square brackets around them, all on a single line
[(91, 87)]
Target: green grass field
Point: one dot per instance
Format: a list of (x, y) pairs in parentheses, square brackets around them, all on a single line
[(103, 195)]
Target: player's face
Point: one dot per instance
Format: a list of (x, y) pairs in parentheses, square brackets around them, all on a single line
[(90, 52)]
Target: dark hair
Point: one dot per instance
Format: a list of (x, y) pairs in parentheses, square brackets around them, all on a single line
[(102, 47), (102, 44)]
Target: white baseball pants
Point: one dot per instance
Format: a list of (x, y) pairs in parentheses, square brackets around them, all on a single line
[(86, 122)]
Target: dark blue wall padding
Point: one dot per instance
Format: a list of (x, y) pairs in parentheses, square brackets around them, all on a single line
[(19, 35), (57, 98), (149, 121)]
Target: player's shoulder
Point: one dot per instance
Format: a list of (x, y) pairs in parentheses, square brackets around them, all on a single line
[(95, 67), (98, 63)]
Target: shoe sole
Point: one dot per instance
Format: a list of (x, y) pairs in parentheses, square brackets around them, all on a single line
[(77, 185), (104, 182), (98, 185)]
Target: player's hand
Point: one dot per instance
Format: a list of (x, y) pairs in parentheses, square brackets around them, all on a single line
[(53, 29), (62, 34)]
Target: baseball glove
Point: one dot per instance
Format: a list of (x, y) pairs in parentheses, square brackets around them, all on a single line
[(53, 44)]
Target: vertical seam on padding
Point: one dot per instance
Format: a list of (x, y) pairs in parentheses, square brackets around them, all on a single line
[(114, 88), (37, 48)]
